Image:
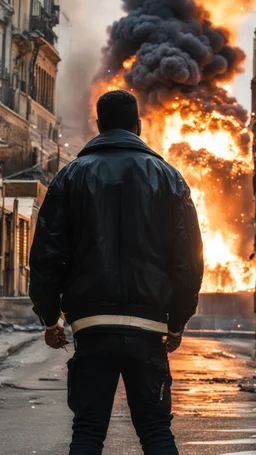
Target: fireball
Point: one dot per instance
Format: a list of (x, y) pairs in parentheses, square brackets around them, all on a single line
[(179, 60)]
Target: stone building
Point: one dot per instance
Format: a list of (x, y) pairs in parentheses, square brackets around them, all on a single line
[(6, 14), (30, 153), (18, 220), (29, 138)]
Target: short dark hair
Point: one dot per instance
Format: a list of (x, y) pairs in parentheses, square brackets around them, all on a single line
[(117, 110)]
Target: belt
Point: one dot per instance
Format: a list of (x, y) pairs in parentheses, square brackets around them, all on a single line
[(127, 321)]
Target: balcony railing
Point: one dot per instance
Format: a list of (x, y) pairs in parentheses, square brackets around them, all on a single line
[(44, 16), (47, 5), (39, 23)]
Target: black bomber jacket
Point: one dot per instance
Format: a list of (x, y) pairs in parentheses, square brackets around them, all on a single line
[(117, 234)]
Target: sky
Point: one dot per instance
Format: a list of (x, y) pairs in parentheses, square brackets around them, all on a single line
[(242, 84), (82, 34)]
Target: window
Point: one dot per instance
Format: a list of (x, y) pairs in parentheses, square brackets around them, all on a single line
[(37, 7), (22, 243), (44, 88), (23, 76), (48, 6)]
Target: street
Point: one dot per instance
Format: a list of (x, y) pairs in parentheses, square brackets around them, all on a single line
[(212, 415)]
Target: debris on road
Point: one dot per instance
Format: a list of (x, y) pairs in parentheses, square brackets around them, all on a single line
[(12, 343), (221, 381), (30, 328), (248, 385)]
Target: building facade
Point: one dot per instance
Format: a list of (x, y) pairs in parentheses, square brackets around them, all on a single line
[(18, 221), (30, 153), (29, 138), (6, 15)]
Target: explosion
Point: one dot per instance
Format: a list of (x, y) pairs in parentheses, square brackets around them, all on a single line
[(178, 60), (222, 11)]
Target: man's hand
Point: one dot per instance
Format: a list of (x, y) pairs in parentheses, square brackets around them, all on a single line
[(55, 338), (173, 341)]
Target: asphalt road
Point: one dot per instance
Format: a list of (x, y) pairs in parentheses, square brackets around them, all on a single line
[(212, 416)]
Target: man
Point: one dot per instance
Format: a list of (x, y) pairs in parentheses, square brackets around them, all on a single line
[(118, 250)]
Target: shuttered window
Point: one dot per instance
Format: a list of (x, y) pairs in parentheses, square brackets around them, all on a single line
[(22, 243)]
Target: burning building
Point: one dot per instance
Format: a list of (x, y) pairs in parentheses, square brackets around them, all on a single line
[(178, 59)]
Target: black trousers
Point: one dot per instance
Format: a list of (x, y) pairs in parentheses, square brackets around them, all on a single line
[(93, 376)]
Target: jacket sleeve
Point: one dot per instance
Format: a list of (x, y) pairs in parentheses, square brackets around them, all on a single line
[(187, 265), (50, 255)]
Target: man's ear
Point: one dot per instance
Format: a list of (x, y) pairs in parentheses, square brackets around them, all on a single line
[(139, 127)]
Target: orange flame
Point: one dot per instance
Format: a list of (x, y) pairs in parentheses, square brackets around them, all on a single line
[(227, 12), (206, 150), (127, 64)]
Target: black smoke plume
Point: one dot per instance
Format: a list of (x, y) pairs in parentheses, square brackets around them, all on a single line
[(178, 50)]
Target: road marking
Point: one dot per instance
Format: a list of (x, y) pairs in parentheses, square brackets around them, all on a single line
[(215, 443), (250, 430), (241, 453)]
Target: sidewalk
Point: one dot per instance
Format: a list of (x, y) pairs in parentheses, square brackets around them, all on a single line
[(13, 342)]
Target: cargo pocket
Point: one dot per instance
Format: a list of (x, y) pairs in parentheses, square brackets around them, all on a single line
[(165, 388)]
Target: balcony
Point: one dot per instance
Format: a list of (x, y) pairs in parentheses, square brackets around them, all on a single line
[(44, 19), (38, 23)]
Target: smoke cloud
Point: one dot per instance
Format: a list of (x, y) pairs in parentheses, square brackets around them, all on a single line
[(177, 50)]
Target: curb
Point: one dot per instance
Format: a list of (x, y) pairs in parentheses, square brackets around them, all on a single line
[(219, 334), (14, 349)]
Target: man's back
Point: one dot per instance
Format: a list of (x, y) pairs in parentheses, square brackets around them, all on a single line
[(121, 226)]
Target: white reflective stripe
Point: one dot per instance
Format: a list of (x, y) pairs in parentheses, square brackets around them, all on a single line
[(128, 321)]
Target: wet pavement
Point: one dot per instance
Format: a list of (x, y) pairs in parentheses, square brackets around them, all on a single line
[(212, 415)]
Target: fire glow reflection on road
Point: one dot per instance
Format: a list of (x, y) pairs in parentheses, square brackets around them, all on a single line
[(206, 376)]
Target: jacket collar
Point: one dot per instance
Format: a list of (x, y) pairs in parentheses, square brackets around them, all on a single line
[(117, 139)]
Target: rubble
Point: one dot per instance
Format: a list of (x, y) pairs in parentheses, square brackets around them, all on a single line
[(221, 381), (12, 343), (248, 385), (10, 328)]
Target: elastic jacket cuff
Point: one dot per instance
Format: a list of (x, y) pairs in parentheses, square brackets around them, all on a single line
[(176, 335), (52, 327)]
